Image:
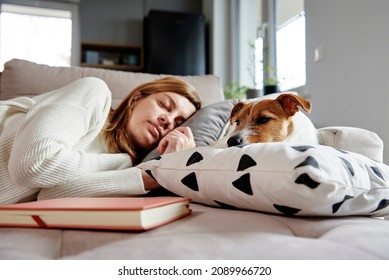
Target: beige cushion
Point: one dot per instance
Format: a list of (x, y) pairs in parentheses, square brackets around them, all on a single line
[(353, 139), (24, 78)]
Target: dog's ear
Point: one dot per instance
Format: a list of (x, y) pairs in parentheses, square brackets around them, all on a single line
[(291, 102), (237, 108)]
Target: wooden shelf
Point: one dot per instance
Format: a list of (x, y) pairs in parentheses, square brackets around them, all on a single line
[(109, 56)]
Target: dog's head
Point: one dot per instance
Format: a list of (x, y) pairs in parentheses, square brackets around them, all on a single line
[(266, 120)]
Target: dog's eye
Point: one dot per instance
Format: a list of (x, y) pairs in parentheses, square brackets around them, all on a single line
[(237, 122), (262, 120)]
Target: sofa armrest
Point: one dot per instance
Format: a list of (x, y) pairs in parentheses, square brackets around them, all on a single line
[(353, 139)]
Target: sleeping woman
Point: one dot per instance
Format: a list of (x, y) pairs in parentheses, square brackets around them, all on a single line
[(69, 142)]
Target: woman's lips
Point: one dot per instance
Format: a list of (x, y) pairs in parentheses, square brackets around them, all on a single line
[(155, 130)]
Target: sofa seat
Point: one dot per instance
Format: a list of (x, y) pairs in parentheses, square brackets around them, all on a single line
[(210, 233)]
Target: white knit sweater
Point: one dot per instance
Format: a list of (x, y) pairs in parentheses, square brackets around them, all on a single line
[(51, 146)]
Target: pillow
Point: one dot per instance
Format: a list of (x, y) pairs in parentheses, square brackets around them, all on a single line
[(211, 122), (279, 178), (207, 124)]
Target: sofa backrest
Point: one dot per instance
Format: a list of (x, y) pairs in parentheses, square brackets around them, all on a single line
[(25, 78)]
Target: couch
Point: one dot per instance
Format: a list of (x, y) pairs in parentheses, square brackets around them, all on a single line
[(213, 230)]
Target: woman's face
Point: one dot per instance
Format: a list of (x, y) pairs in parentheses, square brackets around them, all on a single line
[(156, 115)]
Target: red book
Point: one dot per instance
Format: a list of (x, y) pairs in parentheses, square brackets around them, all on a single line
[(112, 213)]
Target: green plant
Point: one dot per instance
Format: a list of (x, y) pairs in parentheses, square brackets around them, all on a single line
[(252, 63), (235, 91), (272, 76), (270, 72)]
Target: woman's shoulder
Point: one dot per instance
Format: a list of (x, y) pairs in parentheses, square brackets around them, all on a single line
[(82, 92)]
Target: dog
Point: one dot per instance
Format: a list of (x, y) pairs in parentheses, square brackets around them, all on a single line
[(270, 120)]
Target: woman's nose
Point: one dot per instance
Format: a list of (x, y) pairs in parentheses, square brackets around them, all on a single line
[(166, 122)]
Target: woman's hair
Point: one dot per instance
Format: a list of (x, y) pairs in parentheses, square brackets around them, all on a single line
[(115, 130)]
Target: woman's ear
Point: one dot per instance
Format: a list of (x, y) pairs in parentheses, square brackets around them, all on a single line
[(136, 95), (133, 100)]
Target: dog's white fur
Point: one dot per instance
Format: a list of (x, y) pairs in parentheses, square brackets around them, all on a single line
[(304, 132)]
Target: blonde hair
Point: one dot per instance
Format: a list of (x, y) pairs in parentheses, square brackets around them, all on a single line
[(115, 130)]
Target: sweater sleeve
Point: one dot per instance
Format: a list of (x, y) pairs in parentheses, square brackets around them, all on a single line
[(44, 154), (99, 184)]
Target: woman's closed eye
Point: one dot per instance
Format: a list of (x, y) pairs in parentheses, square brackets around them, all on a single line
[(169, 105), (164, 105)]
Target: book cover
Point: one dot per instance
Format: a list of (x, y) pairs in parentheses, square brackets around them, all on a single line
[(110, 213)]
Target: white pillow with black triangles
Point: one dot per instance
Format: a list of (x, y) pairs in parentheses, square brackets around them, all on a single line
[(278, 178)]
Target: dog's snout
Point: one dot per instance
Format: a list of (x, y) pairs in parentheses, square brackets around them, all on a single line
[(234, 141)]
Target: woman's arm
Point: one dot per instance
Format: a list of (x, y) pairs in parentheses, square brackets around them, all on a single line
[(149, 182), (126, 182)]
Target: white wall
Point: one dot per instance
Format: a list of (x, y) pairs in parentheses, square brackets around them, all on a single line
[(248, 14), (350, 85), (217, 14)]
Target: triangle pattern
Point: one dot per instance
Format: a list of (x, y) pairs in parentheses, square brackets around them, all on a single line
[(302, 148), (309, 161), (245, 162), (156, 158), (225, 205), (286, 210), (194, 158), (383, 204), (377, 172), (336, 206), (243, 184), (306, 180), (190, 181), (150, 174), (349, 166)]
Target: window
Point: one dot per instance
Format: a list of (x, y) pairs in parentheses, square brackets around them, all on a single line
[(291, 54), (259, 62), (38, 34)]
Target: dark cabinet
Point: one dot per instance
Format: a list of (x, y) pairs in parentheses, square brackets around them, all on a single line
[(175, 43)]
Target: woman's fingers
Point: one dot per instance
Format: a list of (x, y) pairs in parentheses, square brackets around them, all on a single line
[(176, 140)]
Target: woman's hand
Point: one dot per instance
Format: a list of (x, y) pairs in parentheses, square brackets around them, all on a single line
[(176, 140), (181, 138), (148, 181)]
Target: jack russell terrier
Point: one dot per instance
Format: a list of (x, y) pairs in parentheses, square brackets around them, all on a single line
[(270, 120)]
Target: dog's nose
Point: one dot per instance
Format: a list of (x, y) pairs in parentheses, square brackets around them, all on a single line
[(234, 141)]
